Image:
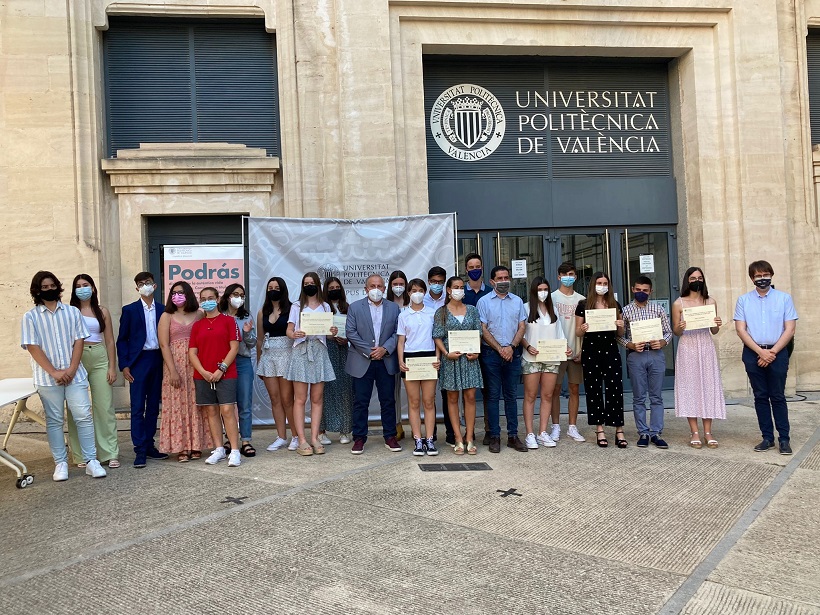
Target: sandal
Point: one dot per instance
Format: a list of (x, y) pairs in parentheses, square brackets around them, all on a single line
[(602, 442), (710, 441), (183, 457), (247, 450), (318, 449), (620, 442), (695, 442), (458, 449), (471, 449), (114, 463), (305, 449), (227, 447), (196, 454)]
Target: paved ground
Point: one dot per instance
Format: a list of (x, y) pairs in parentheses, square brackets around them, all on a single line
[(594, 530)]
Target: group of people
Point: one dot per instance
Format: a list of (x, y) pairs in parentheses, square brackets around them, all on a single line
[(193, 355)]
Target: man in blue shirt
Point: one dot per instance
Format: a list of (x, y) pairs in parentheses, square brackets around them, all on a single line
[(765, 319), (473, 291)]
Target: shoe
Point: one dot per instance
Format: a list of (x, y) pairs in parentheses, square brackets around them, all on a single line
[(392, 444), (785, 449), (399, 432), (487, 437), (643, 441), (294, 443), (305, 449), (227, 447), (555, 434), (114, 463), (217, 455), (471, 449), (495, 444), (516, 443), (572, 432), (153, 453), (430, 447), (94, 469), (530, 441), (710, 440), (139, 460), (60, 471), (82, 464), (344, 438), (318, 449), (234, 459), (659, 442), (458, 449), (620, 442), (277, 444), (764, 445), (544, 439), (450, 439), (358, 447), (600, 438), (694, 440), (324, 440), (418, 451)]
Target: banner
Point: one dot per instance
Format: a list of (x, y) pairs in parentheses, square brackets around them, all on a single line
[(350, 250), (201, 266)]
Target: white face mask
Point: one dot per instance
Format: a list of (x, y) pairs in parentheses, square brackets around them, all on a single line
[(375, 295), (398, 290), (601, 290), (237, 302), (543, 294), (457, 294), (146, 290), (417, 298)]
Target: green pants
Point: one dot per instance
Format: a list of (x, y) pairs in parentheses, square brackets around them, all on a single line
[(95, 361)]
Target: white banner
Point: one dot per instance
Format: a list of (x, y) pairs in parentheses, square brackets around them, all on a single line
[(348, 249)]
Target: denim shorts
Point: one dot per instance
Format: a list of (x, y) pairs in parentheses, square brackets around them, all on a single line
[(215, 394)]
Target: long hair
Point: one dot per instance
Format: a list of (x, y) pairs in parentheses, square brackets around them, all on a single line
[(191, 302), (609, 297), (303, 298), (343, 305), (37, 282), (225, 301), (284, 302), (94, 301), (391, 296), (684, 286), (443, 309), (534, 314)]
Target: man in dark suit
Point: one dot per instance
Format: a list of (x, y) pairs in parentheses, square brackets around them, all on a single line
[(140, 361), (371, 358)]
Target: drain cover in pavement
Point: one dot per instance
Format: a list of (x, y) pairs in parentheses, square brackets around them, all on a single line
[(453, 467)]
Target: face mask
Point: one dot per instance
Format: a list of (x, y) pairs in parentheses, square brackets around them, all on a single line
[(474, 274), (543, 294), (146, 290), (417, 298), (273, 295), (311, 290), (335, 294), (601, 290), (641, 296), (457, 294), (178, 299), (436, 288), (237, 302), (375, 295), (696, 286), (763, 283), (208, 306), (567, 280), (83, 293), (502, 287), (50, 295), (398, 290)]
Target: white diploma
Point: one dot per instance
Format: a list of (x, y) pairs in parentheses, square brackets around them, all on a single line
[(702, 317), (551, 350), (466, 342), (340, 321), (600, 320), (646, 330), (316, 323), (421, 368)]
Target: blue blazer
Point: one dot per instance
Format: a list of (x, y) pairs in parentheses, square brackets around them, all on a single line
[(359, 332), (132, 333)]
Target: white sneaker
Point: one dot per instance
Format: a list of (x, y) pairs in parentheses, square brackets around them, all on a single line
[(61, 471), (277, 444), (93, 468), (217, 455), (234, 460), (572, 432), (324, 439), (294, 443), (556, 433), (544, 439), (344, 438), (530, 441)]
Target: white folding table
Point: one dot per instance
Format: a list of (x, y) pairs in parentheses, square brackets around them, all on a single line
[(17, 390)]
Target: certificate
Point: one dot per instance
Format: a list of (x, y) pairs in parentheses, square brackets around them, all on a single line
[(646, 330), (316, 323), (600, 320), (421, 368), (551, 350), (467, 342), (702, 317), (340, 321)]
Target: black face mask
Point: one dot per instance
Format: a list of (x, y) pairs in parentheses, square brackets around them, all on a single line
[(274, 295), (50, 295), (335, 294), (763, 283), (311, 290), (696, 286)]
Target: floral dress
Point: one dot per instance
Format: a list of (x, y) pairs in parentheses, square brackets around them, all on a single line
[(462, 373)]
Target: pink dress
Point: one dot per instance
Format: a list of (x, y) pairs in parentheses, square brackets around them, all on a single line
[(698, 388), (183, 428)]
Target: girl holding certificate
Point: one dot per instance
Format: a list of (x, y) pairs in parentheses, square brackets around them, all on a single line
[(309, 366), (601, 361), (398, 293), (415, 331), (542, 324), (698, 388), (458, 371), (338, 407)]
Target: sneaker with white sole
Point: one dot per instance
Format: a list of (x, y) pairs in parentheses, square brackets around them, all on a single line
[(430, 447), (572, 432), (323, 439), (530, 441), (418, 451), (278, 444), (217, 455), (234, 459), (544, 439), (294, 443), (94, 469), (555, 434), (60, 471), (344, 438)]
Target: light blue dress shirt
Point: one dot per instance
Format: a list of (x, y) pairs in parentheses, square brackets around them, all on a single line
[(502, 315), (765, 315)]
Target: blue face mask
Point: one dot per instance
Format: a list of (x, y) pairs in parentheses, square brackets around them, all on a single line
[(641, 297), (83, 293), (474, 274), (567, 280), (436, 288), (208, 306)]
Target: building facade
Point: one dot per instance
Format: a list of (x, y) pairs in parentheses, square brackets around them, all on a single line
[(629, 136)]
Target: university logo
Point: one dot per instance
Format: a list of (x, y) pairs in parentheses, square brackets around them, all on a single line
[(468, 122), (329, 270)]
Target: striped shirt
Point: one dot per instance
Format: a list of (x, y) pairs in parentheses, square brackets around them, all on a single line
[(633, 311), (55, 333)]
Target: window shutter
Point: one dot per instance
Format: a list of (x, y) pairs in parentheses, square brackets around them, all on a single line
[(813, 63)]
